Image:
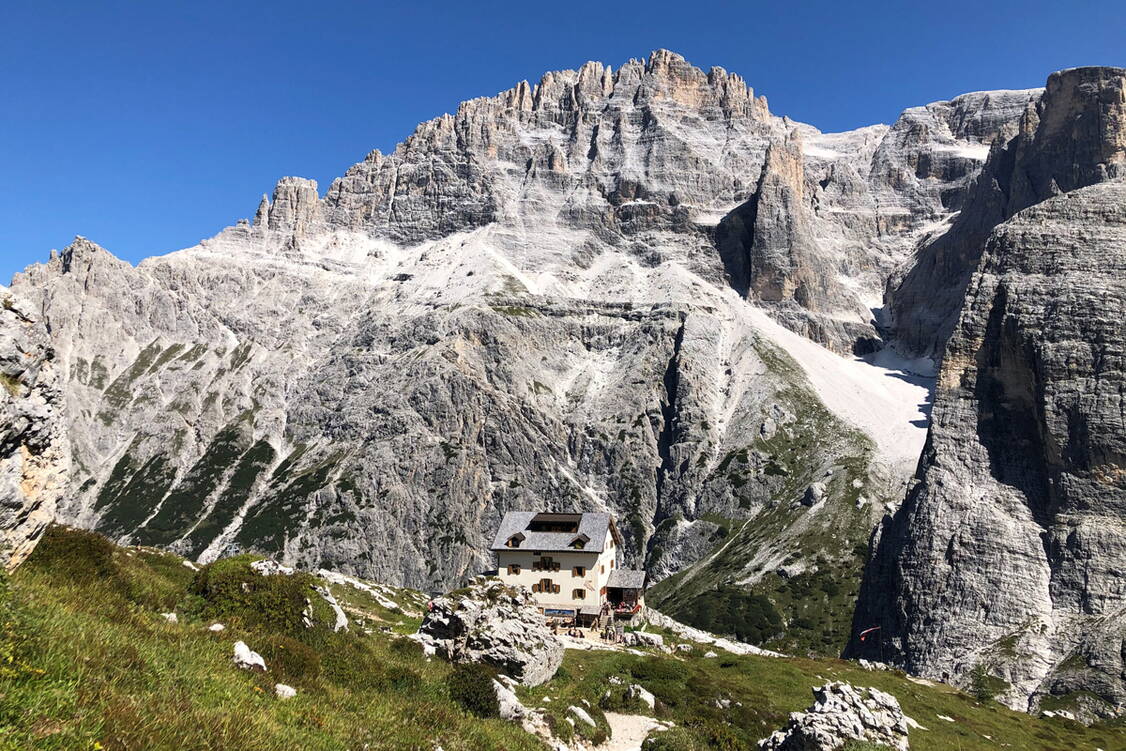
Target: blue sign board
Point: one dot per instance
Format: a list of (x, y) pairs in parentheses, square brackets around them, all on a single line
[(556, 611)]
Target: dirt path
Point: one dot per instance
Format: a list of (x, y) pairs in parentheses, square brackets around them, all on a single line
[(629, 731)]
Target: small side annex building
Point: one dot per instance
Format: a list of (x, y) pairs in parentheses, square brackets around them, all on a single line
[(570, 563)]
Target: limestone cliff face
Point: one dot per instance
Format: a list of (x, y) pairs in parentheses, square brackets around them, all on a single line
[(1073, 136), (772, 255), (527, 304), (1009, 552), (623, 150), (33, 453)]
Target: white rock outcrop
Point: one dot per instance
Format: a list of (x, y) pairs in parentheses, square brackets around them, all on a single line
[(641, 694), (248, 659), (843, 713), (495, 624), (642, 639), (34, 453)]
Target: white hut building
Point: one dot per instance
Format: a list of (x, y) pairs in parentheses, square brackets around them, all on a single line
[(570, 563)]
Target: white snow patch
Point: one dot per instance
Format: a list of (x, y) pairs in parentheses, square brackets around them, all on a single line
[(889, 406), (976, 151), (820, 153)]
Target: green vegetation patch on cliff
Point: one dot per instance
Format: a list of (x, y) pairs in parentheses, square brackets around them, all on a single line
[(281, 507), (128, 497), (184, 504), (235, 494), (800, 554)]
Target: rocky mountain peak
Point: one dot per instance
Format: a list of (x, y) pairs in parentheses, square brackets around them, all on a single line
[(295, 208), (1072, 136), (1079, 135), (82, 253)]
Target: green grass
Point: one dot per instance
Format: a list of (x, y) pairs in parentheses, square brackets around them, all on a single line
[(86, 662), (11, 384), (763, 691), (95, 666)]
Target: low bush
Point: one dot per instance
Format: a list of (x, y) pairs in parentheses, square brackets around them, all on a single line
[(561, 729), (289, 659), (231, 589), (617, 699), (656, 669), (471, 686), (75, 556), (676, 739)]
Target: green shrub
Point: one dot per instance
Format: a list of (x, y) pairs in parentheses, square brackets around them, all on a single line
[(347, 662), (656, 669), (231, 589), (471, 686), (617, 699), (75, 556), (290, 659), (984, 686), (676, 739), (407, 648), (560, 729)]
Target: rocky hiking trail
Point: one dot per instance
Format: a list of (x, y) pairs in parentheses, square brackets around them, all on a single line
[(629, 731)]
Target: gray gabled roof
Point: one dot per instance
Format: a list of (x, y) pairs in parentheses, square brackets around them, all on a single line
[(626, 578), (592, 524)]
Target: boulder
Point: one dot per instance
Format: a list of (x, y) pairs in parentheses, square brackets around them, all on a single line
[(268, 567), (248, 659), (495, 624), (639, 692), (583, 715), (842, 713), (283, 691), (642, 639), (508, 704)]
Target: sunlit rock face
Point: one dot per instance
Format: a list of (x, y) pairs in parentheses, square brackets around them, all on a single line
[(1071, 137), (553, 298), (33, 450), (1008, 553)]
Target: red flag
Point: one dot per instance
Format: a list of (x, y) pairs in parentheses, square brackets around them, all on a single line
[(867, 631)]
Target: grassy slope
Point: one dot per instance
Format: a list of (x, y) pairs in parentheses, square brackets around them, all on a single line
[(765, 690), (734, 589), (86, 662), (95, 666)]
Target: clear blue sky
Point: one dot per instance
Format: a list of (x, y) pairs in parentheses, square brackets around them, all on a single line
[(149, 125)]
